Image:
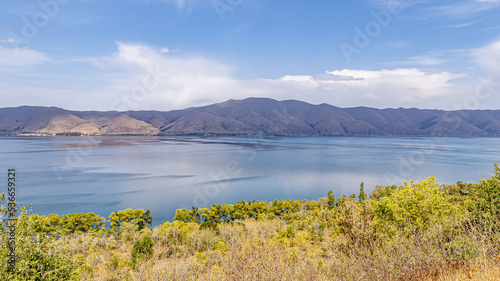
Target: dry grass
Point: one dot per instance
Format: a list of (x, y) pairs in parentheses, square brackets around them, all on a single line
[(252, 250)]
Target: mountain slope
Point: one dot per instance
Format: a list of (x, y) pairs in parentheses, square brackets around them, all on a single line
[(253, 117)]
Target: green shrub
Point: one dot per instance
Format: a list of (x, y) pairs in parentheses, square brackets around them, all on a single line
[(331, 200), (382, 191), (38, 256), (414, 208), (143, 249), (484, 200)]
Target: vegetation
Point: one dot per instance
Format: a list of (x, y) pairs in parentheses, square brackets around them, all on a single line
[(143, 249), (419, 231)]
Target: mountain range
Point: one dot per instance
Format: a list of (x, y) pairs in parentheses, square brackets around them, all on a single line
[(253, 117)]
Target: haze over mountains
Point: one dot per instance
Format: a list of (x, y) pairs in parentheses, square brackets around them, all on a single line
[(253, 117)]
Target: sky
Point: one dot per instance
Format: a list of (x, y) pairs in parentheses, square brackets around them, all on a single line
[(173, 54)]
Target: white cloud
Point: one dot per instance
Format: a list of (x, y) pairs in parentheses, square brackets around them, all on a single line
[(179, 3), (187, 6), (167, 50), (488, 57), (296, 78), (9, 40), (20, 57), (17, 95), (142, 77), (461, 25), (195, 81), (384, 4), (405, 86), (425, 60), (464, 9), (172, 82), (397, 44)]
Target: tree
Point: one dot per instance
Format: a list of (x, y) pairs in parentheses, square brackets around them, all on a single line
[(182, 215), (362, 195), (191, 215), (195, 214), (382, 191), (143, 218), (241, 210), (277, 208), (331, 200), (76, 223), (341, 200)]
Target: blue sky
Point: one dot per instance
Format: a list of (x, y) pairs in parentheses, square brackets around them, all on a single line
[(172, 54)]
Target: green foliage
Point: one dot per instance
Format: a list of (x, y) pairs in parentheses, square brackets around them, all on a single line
[(70, 224), (128, 230), (38, 256), (460, 190), (167, 254), (331, 200), (139, 216), (176, 232), (170, 251), (259, 210), (341, 200), (143, 249), (485, 199), (362, 195), (191, 215), (414, 208), (383, 191)]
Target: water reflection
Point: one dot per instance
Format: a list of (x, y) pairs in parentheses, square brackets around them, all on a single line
[(105, 174)]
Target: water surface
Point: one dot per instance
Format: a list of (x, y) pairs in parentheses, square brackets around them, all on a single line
[(104, 174)]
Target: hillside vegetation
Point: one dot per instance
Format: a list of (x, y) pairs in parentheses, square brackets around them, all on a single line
[(419, 231), (253, 117)]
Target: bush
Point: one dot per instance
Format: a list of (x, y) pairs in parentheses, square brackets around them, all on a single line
[(38, 256), (143, 249), (485, 200), (414, 208)]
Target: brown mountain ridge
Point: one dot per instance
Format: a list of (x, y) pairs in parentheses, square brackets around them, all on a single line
[(253, 117)]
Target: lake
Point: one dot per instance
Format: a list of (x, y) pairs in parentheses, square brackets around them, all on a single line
[(105, 174)]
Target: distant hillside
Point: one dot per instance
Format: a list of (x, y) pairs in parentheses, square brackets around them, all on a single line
[(253, 117)]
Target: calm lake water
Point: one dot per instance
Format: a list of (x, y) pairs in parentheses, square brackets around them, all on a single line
[(104, 174)]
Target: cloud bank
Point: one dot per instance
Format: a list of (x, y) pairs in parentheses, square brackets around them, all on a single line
[(142, 77)]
